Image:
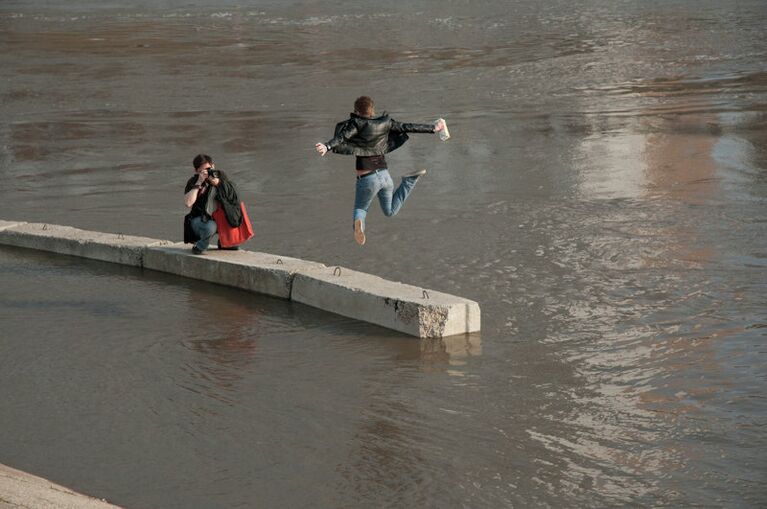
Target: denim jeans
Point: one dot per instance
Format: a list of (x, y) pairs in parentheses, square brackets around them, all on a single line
[(205, 230), (381, 185)]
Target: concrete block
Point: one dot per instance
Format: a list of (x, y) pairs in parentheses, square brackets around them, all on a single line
[(249, 270), (109, 247), (9, 224), (405, 308), (21, 490)]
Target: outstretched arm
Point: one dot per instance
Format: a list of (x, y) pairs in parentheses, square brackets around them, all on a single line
[(407, 127), (347, 132)]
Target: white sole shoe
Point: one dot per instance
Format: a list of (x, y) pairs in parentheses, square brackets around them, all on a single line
[(414, 174), (359, 233)]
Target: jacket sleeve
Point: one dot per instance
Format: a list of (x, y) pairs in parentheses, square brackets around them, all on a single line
[(406, 127), (344, 131)]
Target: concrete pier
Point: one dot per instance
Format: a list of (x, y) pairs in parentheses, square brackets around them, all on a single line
[(108, 247), (409, 309), (405, 308), (257, 272), (19, 490)]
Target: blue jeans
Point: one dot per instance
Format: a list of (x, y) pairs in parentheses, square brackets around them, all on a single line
[(381, 185), (203, 229)]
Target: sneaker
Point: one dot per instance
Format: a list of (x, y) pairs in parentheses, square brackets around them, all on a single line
[(359, 232), (414, 174), (196, 250)]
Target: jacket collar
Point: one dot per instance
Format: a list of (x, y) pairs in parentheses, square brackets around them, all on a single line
[(360, 117)]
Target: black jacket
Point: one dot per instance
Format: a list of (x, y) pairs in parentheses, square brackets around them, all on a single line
[(226, 195), (361, 136)]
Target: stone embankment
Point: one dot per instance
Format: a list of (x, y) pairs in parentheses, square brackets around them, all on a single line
[(19, 490), (401, 307)]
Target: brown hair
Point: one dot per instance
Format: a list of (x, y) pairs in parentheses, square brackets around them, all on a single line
[(364, 106), (199, 159)]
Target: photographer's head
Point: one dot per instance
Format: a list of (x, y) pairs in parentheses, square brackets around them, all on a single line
[(207, 174), (202, 162)]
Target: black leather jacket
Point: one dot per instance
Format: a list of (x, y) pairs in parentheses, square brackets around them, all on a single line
[(361, 136)]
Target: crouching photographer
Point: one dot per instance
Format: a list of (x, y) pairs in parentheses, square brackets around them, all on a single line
[(216, 208)]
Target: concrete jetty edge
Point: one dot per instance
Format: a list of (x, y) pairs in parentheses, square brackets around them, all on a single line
[(405, 308), (20, 490)]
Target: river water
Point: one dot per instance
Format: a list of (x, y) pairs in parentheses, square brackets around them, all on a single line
[(602, 198)]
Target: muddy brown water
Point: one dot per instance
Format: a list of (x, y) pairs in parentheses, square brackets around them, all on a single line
[(602, 198)]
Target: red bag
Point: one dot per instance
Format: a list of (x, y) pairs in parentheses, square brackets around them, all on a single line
[(228, 236)]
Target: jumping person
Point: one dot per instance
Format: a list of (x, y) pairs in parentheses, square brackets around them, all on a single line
[(368, 138)]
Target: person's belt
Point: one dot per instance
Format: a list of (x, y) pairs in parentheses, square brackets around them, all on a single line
[(371, 173)]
